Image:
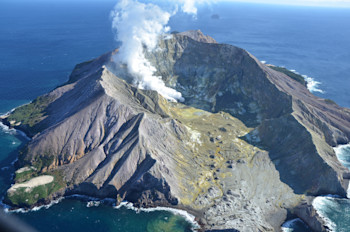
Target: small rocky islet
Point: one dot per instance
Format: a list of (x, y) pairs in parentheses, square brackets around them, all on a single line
[(247, 149)]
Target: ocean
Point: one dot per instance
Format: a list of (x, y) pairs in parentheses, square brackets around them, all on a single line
[(41, 42)]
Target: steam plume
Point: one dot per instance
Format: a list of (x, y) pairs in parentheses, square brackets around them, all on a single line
[(138, 26)]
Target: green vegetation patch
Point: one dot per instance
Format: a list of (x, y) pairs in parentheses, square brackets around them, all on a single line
[(39, 162), (330, 101), (26, 197), (25, 175), (31, 114), (76, 74), (291, 74), (43, 161)]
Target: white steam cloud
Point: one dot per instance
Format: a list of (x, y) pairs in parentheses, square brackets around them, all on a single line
[(138, 26)]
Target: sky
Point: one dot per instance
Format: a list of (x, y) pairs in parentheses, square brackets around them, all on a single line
[(321, 3)]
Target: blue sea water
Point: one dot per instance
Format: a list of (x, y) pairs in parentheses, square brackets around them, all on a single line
[(40, 42), (336, 211), (78, 215)]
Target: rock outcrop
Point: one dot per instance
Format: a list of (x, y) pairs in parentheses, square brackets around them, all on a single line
[(247, 146)]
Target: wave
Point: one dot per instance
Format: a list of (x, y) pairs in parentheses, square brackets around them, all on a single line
[(8, 209), (342, 149), (189, 217), (343, 154), (6, 129), (95, 202), (321, 205), (36, 208), (13, 131), (312, 85), (289, 226)]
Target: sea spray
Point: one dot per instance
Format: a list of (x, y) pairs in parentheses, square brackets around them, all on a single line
[(343, 154), (6, 129), (13, 131), (296, 225), (8, 209), (311, 84), (96, 202), (335, 211), (189, 217), (321, 205)]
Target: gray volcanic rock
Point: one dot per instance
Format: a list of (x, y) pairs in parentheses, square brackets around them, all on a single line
[(247, 146), (219, 77)]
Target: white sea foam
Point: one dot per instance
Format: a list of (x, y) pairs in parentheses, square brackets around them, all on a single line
[(312, 85), (54, 202), (263, 61), (343, 154), (93, 204), (36, 208), (288, 225), (321, 204), (341, 151), (7, 129), (189, 217), (12, 131)]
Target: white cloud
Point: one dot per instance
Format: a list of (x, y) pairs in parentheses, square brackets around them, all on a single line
[(190, 6)]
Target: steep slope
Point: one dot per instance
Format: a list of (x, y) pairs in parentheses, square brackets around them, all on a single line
[(247, 145), (219, 77)]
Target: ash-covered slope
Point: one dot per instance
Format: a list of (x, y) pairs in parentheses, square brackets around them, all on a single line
[(295, 126), (246, 146)]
